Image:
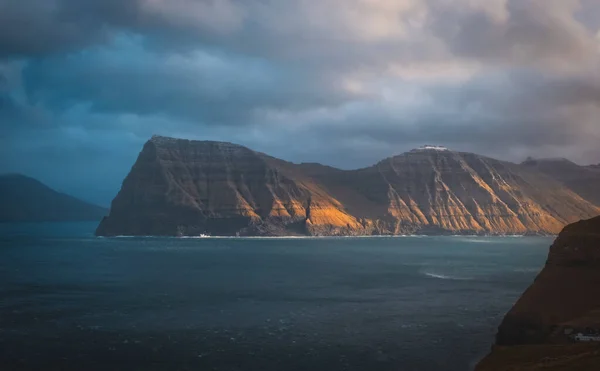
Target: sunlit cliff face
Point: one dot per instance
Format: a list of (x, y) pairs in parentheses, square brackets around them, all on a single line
[(84, 83)]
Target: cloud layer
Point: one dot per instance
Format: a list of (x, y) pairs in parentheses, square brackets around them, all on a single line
[(84, 83)]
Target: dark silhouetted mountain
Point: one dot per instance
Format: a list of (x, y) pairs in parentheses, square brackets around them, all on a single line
[(543, 329), (584, 180), (183, 187), (25, 199)]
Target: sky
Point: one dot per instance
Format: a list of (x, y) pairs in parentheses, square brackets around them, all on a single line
[(84, 83)]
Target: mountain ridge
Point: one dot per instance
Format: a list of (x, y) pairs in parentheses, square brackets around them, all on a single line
[(25, 199), (584, 180), (186, 187)]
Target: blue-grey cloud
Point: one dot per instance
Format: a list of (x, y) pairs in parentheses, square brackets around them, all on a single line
[(207, 87), (83, 83)]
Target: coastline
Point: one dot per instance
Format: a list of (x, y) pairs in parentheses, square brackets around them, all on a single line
[(332, 236)]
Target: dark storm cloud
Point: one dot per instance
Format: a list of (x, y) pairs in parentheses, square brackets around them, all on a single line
[(31, 28), (37, 27), (212, 88), (83, 83)]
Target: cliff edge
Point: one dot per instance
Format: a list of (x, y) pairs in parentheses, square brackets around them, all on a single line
[(555, 325)]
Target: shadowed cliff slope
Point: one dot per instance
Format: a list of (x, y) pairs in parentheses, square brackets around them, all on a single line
[(584, 180), (182, 187), (541, 330)]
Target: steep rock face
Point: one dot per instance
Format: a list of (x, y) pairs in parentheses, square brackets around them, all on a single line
[(430, 191), (539, 330), (181, 187), (584, 180), (24, 199), (565, 291)]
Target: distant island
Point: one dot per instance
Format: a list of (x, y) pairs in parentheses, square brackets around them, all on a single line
[(181, 187), (25, 199), (555, 325)]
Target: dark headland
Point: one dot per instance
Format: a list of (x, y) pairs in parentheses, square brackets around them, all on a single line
[(555, 325)]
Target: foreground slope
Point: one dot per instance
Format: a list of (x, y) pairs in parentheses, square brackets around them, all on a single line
[(545, 329), (182, 187), (25, 199)]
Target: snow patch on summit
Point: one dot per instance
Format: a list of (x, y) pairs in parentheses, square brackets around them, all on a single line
[(429, 147)]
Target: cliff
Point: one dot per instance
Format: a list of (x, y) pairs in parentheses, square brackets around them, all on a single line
[(25, 199), (182, 187), (542, 330), (431, 191)]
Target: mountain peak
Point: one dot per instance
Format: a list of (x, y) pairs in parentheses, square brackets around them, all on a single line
[(14, 176), (20, 180)]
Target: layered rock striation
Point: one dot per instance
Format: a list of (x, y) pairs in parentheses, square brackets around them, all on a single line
[(183, 187)]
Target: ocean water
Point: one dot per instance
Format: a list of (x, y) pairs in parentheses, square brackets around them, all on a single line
[(71, 301)]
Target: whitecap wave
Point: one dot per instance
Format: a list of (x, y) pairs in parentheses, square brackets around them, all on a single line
[(445, 277)]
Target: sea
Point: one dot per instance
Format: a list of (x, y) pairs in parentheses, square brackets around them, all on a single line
[(72, 301)]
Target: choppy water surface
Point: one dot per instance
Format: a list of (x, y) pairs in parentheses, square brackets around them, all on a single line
[(74, 302)]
